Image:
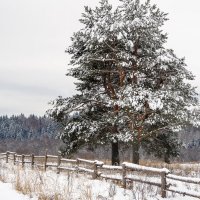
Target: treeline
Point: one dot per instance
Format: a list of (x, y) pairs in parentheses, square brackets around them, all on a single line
[(30, 134), (194, 144), (26, 128), (190, 138)]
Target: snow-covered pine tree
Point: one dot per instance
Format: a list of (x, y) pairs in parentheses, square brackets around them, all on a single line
[(123, 68), (84, 124), (92, 51), (158, 96)]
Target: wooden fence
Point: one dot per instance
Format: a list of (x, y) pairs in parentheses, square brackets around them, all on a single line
[(125, 174)]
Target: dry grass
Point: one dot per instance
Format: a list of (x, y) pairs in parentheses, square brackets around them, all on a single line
[(191, 169), (87, 193), (49, 186), (46, 186)]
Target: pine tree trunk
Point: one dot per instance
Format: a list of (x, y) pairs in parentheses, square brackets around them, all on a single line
[(166, 158), (115, 153), (135, 152)]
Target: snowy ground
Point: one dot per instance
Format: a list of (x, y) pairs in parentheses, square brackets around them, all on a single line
[(37, 184), (8, 193)]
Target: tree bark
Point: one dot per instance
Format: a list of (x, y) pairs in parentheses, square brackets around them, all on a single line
[(135, 152), (115, 153), (167, 158)]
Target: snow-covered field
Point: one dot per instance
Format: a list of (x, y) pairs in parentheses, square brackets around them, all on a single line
[(23, 184), (8, 193)]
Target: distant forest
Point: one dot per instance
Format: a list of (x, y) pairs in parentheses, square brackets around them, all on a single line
[(30, 134), (22, 128)]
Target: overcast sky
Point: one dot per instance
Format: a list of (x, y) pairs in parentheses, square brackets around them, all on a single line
[(35, 33)]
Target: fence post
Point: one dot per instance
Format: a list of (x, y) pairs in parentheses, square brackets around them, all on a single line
[(7, 154), (14, 158), (58, 162), (45, 161), (123, 175), (163, 185), (32, 161), (77, 165), (94, 175), (23, 160)]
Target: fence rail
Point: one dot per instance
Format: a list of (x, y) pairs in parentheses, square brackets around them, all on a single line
[(97, 169)]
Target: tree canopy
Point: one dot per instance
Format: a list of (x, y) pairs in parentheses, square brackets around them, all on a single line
[(130, 86)]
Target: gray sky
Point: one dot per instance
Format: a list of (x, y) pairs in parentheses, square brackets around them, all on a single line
[(35, 33)]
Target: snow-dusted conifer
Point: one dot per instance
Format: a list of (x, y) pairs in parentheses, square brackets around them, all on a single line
[(92, 52), (158, 96), (124, 70)]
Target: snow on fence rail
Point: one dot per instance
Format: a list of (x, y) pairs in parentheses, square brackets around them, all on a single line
[(97, 168)]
